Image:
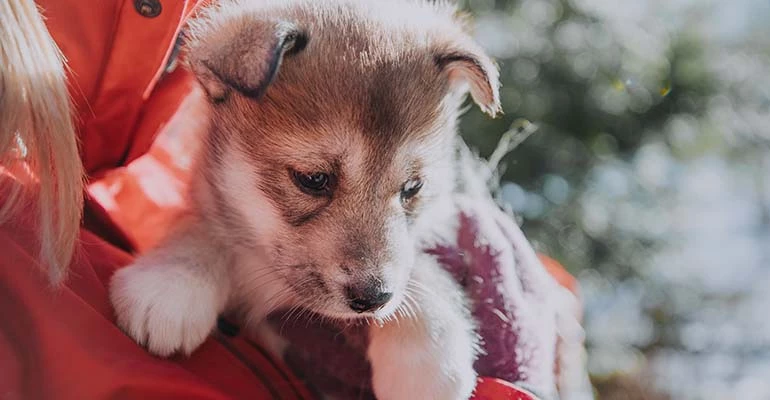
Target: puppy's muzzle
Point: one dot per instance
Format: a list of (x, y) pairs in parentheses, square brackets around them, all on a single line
[(369, 297)]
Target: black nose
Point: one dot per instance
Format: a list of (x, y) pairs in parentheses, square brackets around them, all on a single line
[(368, 298)]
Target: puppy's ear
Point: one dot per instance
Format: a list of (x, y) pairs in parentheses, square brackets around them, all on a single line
[(242, 55), (469, 68)]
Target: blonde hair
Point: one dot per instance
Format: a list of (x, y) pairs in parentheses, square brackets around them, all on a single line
[(37, 132)]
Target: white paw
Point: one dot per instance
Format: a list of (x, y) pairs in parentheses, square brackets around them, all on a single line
[(406, 367), (164, 307)]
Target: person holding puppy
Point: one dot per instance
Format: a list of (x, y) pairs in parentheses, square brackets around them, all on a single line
[(102, 110)]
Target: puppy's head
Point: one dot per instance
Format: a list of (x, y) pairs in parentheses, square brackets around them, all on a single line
[(332, 124)]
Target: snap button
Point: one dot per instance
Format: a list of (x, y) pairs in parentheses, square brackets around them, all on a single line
[(148, 8)]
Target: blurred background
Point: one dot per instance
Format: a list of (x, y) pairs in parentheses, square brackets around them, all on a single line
[(648, 178)]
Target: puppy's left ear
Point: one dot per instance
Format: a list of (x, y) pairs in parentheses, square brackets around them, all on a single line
[(469, 68), (242, 54)]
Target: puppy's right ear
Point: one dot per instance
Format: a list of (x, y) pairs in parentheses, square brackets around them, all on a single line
[(241, 54)]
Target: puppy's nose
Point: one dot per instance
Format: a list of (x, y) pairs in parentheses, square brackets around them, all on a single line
[(368, 298)]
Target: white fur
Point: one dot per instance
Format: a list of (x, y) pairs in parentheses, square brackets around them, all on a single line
[(429, 352), (156, 306), (169, 299), (239, 185)]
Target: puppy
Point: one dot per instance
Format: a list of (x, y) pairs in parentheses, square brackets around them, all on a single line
[(332, 125)]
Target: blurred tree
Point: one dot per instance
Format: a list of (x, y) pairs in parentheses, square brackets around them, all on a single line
[(645, 120)]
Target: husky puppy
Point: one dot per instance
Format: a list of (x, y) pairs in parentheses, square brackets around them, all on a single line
[(330, 145)]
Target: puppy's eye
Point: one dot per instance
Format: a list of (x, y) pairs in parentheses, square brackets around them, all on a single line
[(315, 184), (410, 189)]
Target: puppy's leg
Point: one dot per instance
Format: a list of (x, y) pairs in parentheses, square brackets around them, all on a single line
[(428, 353), (170, 298)]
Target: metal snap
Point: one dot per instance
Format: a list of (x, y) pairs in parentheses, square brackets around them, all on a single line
[(148, 8)]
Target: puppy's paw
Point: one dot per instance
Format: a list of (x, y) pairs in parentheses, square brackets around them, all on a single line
[(166, 308), (418, 364)]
